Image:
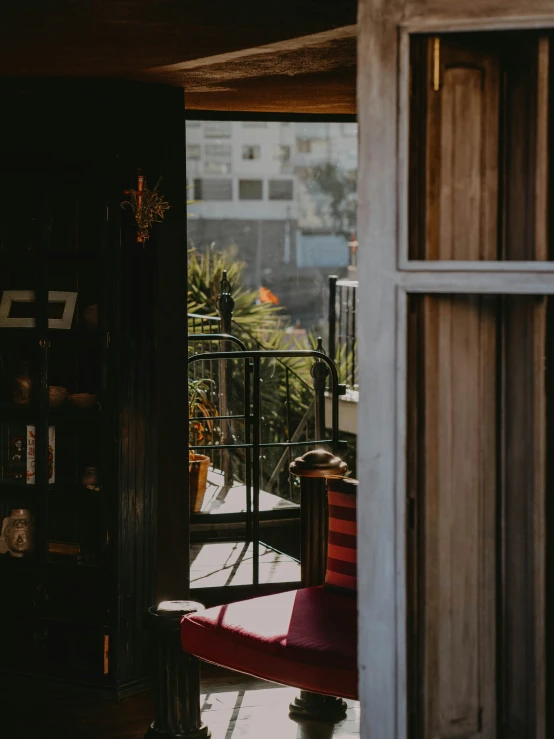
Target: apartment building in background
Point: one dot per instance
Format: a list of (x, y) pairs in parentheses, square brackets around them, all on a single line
[(282, 193)]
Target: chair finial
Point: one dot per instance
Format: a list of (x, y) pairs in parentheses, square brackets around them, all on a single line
[(318, 463)]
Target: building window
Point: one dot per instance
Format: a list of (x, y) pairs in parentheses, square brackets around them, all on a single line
[(282, 154), (194, 151), (250, 189), (217, 130), (218, 158), (213, 189), (251, 152), (304, 146), (280, 189), (254, 124)]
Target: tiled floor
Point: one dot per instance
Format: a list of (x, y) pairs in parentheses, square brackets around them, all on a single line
[(237, 707)]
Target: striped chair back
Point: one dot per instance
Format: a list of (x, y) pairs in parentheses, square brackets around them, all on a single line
[(341, 548)]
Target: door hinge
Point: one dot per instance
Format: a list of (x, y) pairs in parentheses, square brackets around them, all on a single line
[(436, 64)]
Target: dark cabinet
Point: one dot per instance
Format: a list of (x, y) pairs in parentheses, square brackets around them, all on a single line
[(79, 425)]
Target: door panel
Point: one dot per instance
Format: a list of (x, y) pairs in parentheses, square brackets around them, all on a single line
[(458, 548), (478, 440), (462, 153)]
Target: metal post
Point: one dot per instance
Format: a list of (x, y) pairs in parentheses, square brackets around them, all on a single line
[(225, 307), (177, 676), (313, 468), (333, 316), (320, 372)]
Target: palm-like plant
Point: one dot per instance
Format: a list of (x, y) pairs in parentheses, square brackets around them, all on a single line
[(259, 326), (205, 272)]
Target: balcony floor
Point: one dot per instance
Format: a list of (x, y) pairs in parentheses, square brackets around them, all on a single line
[(221, 564), (221, 498)]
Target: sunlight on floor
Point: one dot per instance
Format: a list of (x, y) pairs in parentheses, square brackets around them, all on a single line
[(216, 564), (263, 713)]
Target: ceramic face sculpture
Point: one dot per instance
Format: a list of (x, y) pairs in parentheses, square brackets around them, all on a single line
[(17, 533)]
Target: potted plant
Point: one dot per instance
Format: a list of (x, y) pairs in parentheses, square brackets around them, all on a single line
[(200, 430)]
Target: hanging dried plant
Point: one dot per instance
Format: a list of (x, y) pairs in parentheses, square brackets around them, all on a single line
[(147, 206)]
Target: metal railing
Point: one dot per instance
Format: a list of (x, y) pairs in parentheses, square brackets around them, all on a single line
[(343, 350), (301, 411), (247, 424)]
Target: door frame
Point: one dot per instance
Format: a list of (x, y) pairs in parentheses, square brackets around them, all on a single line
[(386, 280)]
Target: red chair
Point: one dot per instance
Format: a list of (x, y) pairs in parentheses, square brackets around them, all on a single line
[(304, 638)]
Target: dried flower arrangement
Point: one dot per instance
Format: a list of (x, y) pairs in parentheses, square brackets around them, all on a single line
[(147, 206)]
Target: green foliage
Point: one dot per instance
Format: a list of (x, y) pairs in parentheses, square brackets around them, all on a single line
[(344, 357), (259, 326), (205, 272), (341, 188)]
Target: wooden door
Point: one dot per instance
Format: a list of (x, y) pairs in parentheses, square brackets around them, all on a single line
[(479, 398), (455, 347)]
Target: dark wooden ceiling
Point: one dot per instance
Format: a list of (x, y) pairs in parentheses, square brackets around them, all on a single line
[(260, 55)]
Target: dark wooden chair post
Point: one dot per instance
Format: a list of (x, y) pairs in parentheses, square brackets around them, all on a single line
[(313, 469), (177, 675)]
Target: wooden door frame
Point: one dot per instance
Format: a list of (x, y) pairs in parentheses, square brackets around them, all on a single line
[(386, 281)]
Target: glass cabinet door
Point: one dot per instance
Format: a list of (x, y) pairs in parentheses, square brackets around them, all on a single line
[(55, 414)]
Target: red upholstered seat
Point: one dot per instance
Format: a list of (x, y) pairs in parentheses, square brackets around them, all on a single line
[(304, 638)]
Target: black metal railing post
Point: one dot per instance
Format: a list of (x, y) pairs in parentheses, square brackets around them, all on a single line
[(343, 306), (177, 677), (332, 316), (320, 375), (225, 307)]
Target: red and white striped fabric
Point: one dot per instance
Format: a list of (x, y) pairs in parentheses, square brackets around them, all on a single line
[(341, 549)]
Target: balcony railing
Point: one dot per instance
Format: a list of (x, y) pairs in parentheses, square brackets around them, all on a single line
[(263, 412), (301, 399), (343, 350)]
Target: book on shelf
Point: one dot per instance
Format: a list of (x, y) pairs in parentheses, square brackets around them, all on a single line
[(18, 454)]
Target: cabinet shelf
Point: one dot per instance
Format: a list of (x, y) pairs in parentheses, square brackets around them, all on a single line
[(76, 490), (76, 415), (28, 414), (115, 435), (69, 562), (20, 564)]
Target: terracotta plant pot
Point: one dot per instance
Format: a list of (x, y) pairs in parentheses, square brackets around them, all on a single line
[(198, 479)]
